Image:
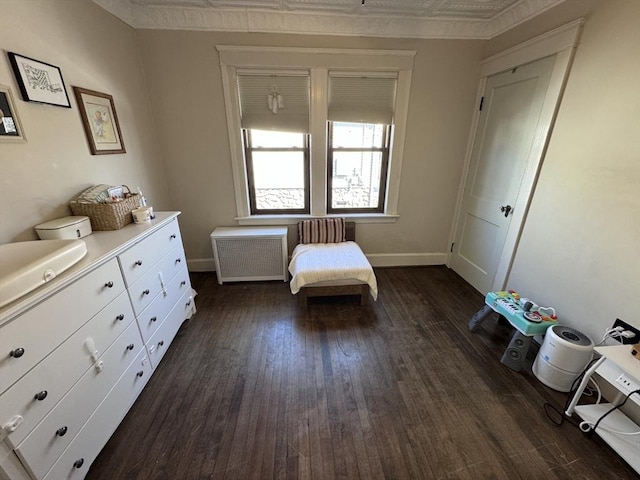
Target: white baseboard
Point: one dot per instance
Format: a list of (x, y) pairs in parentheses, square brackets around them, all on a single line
[(201, 265), (406, 259), (376, 260)]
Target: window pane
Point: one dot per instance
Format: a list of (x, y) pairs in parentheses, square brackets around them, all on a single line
[(356, 179), (357, 135), (278, 179), (268, 139)]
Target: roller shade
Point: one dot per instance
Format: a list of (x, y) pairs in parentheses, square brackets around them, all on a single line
[(362, 99), (274, 102)]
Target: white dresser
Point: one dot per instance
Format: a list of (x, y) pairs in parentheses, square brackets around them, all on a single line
[(76, 353)]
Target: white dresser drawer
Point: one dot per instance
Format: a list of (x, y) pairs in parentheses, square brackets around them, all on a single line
[(52, 378), (74, 463), (151, 318), (173, 263), (161, 339), (48, 440), (155, 281), (136, 261), (32, 336)]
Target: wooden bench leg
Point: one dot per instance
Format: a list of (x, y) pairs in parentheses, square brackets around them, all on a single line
[(303, 298), (364, 295)]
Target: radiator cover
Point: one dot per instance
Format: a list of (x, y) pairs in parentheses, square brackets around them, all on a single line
[(250, 253)]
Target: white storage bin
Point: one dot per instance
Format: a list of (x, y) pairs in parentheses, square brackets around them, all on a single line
[(66, 228)]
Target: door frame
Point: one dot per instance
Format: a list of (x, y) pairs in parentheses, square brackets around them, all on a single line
[(561, 42)]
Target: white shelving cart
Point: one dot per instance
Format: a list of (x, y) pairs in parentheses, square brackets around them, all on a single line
[(618, 367)]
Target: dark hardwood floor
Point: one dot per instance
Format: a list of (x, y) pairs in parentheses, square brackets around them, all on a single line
[(255, 386)]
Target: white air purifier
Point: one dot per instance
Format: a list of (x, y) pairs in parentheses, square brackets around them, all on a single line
[(563, 356)]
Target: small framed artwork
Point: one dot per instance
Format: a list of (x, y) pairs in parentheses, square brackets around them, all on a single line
[(10, 126), (38, 81), (100, 121)]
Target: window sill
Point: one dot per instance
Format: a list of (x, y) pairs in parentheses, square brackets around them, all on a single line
[(294, 219)]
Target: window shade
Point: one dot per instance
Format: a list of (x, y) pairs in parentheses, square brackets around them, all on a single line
[(293, 111), (362, 99)]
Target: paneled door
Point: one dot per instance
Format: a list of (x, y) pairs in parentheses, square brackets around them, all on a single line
[(508, 129)]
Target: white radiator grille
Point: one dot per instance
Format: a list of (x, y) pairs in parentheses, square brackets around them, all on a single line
[(250, 257), (248, 254)]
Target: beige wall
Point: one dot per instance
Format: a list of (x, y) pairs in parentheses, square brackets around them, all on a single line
[(580, 248), (93, 50), (186, 91)]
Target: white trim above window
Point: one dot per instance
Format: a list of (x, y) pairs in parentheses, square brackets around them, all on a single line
[(394, 65), (331, 58)]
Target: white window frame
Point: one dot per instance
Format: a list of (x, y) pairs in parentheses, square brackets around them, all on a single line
[(317, 62)]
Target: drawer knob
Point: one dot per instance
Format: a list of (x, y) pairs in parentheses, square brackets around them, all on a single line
[(183, 283), (138, 263), (161, 343), (78, 463), (62, 431), (178, 260), (17, 353), (153, 319), (40, 395), (109, 284), (120, 317), (145, 292), (140, 373), (173, 235), (130, 346), (188, 304)]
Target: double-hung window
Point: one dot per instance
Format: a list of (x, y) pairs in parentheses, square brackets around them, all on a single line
[(358, 158), (275, 124), (277, 171), (360, 114), (315, 132)]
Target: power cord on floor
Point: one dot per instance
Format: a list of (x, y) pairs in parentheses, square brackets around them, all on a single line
[(548, 407)]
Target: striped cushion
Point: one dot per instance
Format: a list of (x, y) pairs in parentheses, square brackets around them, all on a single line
[(321, 230)]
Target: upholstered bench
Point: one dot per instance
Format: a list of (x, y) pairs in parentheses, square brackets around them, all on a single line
[(327, 261)]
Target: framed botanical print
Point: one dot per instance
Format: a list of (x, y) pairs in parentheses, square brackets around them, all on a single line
[(100, 121)]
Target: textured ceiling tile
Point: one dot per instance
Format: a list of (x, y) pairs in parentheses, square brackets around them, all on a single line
[(472, 9), (395, 7), (471, 19)]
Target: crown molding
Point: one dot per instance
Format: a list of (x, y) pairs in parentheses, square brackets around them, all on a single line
[(344, 59), (169, 17), (517, 14)]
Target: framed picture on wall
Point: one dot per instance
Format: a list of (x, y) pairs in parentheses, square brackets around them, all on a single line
[(10, 125), (38, 81), (100, 121)]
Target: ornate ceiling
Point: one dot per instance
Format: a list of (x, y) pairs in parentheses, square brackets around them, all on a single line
[(464, 19)]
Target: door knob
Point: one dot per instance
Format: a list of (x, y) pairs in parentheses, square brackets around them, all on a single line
[(506, 209)]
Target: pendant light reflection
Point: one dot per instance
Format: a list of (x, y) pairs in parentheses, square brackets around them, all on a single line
[(275, 100)]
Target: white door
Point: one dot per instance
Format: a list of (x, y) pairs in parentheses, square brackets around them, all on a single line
[(506, 134)]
